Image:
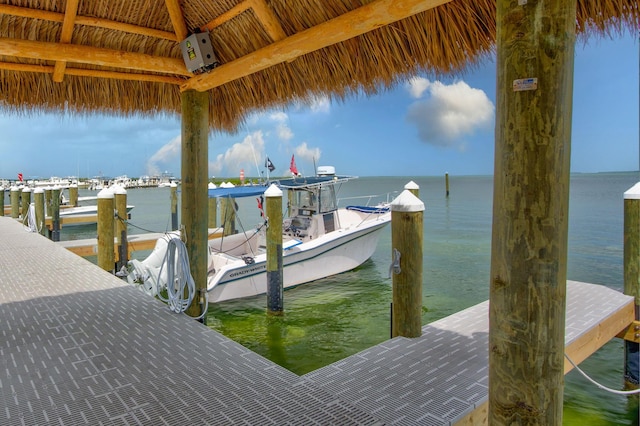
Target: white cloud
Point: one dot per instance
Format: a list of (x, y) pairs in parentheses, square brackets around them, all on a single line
[(303, 151), (450, 112), (320, 104), (241, 155), (279, 116), (284, 132), (167, 153), (417, 86)]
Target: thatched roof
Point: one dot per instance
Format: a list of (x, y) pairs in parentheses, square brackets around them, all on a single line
[(123, 56)]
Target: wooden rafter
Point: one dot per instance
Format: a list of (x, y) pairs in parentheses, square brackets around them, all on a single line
[(177, 19), (268, 19), (68, 23), (89, 21), (227, 16), (92, 55), (352, 24)]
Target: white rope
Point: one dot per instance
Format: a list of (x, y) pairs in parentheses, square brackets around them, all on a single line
[(29, 221), (617, 392), (179, 278)]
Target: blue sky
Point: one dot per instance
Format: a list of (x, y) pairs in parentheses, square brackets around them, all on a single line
[(424, 127)]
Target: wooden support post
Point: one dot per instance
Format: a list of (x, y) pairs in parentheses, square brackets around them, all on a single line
[(55, 213), (275, 302), (38, 200), (174, 206), (26, 202), (632, 278), (194, 207), (3, 199), (228, 215), (73, 195), (106, 211), (47, 201), (407, 212), (120, 228), (446, 183), (413, 188), (213, 213), (535, 50), (14, 194)]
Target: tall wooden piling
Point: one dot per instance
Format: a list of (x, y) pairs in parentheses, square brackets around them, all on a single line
[(446, 183), (47, 201), (14, 195), (194, 206), (413, 188), (3, 199), (213, 213), (632, 278), (535, 49), (55, 213), (407, 212), (275, 301), (26, 202), (106, 209), (228, 215), (73, 195), (120, 227), (38, 201), (174, 206)]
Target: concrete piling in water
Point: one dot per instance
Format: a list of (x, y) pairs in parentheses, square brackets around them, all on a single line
[(14, 195), (55, 213), (174, 206), (273, 212), (407, 212), (38, 200), (73, 195), (26, 202), (106, 210), (632, 279), (121, 226)]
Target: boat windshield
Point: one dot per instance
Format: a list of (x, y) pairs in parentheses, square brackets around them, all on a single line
[(320, 199)]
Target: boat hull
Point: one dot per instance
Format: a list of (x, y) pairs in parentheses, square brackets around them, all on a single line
[(330, 254)]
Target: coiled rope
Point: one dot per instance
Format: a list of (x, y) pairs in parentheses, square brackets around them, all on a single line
[(179, 279), (29, 222)]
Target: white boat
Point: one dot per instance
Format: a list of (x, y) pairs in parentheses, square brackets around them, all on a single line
[(319, 240), (92, 210)]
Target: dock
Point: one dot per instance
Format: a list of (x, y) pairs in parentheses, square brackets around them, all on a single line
[(79, 346)]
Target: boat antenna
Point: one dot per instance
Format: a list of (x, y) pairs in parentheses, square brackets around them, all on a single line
[(256, 160)]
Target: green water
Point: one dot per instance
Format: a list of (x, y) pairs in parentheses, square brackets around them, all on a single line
[(336, 317)]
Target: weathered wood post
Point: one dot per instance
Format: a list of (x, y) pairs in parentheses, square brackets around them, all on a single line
[(73, 195), (174, 206), (38, 199), (632, 278), (55, 213), (26, 202), (213, 208), (121, 226), (446, 183), (413, 188), (228, 215), (47, 201), (407, 213), (535, 49), (3, 199), (14, 194), (275, 302), (106, 211), (194, 207)]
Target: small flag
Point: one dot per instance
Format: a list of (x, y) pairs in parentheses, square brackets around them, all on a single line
[(20, 177), (269, 165), (260, 201), (292, 167)]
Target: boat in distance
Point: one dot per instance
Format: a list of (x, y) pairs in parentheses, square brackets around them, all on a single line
[(319, 240)]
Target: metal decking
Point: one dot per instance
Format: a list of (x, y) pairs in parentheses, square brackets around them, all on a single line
[(80, 347)]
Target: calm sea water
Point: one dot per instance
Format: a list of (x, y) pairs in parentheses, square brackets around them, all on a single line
[(333, 318)]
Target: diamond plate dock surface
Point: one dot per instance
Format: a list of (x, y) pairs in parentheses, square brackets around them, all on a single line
[(80, 347)]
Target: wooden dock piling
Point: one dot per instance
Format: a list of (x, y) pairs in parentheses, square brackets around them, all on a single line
[(14, 194), (106, 211), (120, 229), (3, 200), (73, 195), (275, 303), (55, 213), (26, 202), (407, 213), (535, 52), (446, 183), (413, 188), (228, 215), (174, 206), (213, 213), (38, 200), (632, 279)]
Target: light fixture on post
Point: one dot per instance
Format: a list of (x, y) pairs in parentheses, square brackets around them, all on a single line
[(197, 53)]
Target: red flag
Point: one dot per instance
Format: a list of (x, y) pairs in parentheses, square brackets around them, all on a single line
[(20, 177), (293, 167)]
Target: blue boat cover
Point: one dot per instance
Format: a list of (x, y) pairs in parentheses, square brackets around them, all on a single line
[(238, 191)]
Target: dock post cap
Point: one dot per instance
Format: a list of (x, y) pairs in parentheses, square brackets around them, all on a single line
[(273, 191), (26, 189), (38, 191), (633, 193), (407, 202), (119, 190), (73, 185), (173, 185), (14, 189), (106, 193), (412, 185)]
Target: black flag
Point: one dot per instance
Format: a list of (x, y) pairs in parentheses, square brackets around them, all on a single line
[(269, 165)]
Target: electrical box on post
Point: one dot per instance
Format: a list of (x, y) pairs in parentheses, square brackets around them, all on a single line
[(198, 53)]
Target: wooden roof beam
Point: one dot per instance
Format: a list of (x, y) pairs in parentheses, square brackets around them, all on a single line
[(177, 19), (70, 13), (92, 55), (352, 24), (47, 69), (268, 19), (227, 16), (89, 21)]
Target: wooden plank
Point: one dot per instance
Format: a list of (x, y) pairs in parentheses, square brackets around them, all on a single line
[(352, 24)]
